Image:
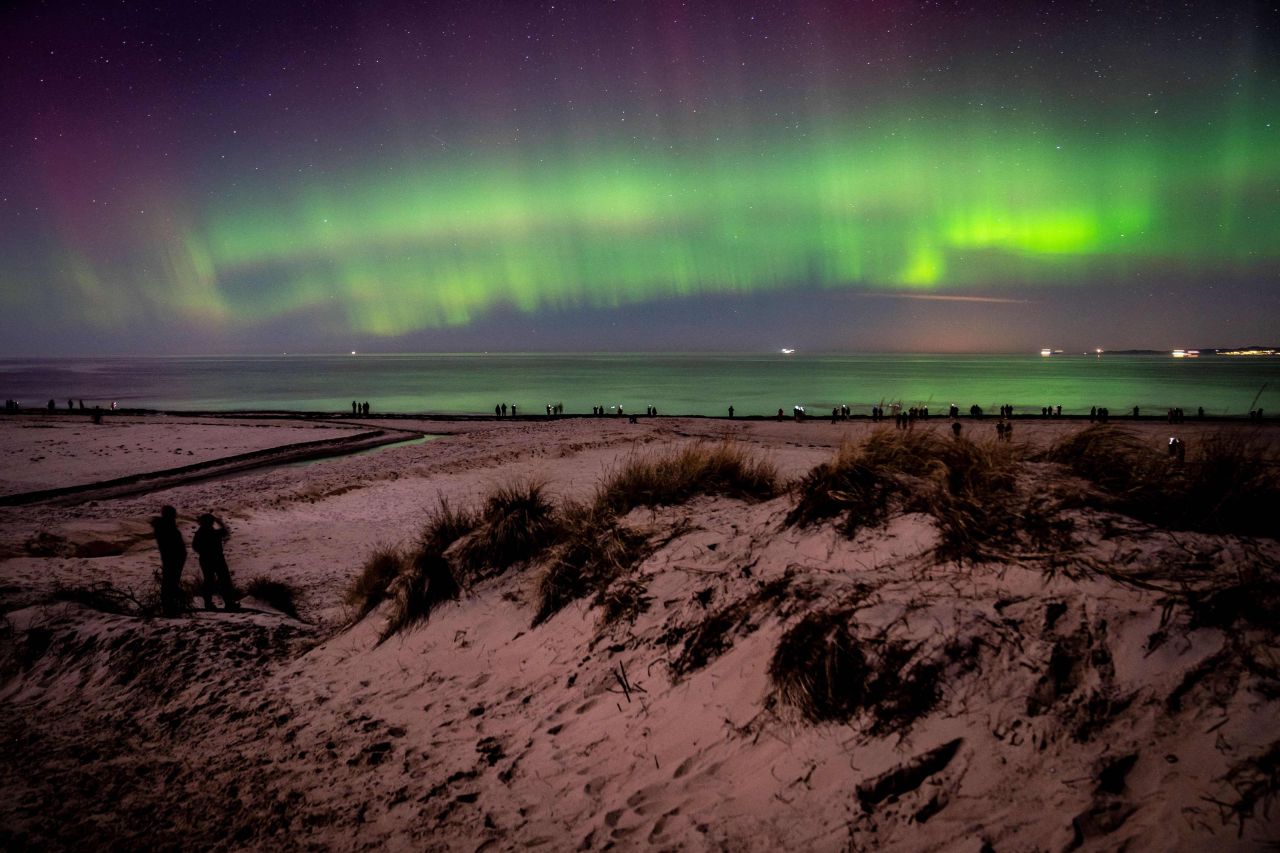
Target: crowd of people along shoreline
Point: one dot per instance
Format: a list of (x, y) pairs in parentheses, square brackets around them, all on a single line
[(842, 412)]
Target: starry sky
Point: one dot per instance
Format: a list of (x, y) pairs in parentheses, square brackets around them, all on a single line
[(241, 177)]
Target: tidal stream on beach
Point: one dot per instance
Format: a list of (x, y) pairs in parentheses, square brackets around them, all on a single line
[(691, 384)]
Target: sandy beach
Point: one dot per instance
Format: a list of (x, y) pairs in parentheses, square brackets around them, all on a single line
[(1080, 678)]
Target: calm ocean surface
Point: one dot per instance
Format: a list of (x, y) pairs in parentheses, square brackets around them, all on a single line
[(702, 384)]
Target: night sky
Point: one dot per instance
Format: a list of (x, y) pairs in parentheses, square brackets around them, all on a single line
[(242, 177)]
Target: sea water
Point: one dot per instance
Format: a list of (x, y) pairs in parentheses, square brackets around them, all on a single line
[(696, 384)]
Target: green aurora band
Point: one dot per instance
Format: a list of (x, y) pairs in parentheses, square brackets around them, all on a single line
[(900, 203)]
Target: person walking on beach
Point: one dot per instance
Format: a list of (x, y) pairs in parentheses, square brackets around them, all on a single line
[(207, 543), (173, 556)]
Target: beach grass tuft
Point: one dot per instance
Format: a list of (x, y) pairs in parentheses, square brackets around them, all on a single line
[(969, 487), (278, 594), (1227, 484), (1231, 484), (106, 597), (976, 503), (851, 484), (623, 601), (1112, 458), (516, 523), (593, 550), (370, 587), (428, 580), (818, 668), (827, 670), (725, 469)]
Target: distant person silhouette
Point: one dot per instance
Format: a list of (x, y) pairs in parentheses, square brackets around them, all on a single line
[(52, 405), (497, 411), (207, 543), (731, 411), (173, 556), (354, 408)]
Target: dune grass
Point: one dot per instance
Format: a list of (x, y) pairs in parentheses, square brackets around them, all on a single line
[(278, 594), (1229, 483), (370, 587), (818, 668), (106, 597), (969, 487), (427, 579), (825, 669), (852, 485), (592, 552), (698, 469), (516, 523), (976, 502)]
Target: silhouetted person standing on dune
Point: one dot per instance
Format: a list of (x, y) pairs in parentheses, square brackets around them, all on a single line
[(173, 556), (213, 563)]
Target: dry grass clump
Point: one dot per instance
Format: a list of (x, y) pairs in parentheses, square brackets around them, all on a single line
[(1229, 484), (585, 551), (1232, 485), (699, 469), (1256, 783), (826, 671), (105, 597), (916, 453), (516, 523), (278, 594), (853, 484), (716, 634), (1114, 459), (593, 551), (818, 668), (428, 578), (969, 487), (623, 600), (369, 588), (976, 502)]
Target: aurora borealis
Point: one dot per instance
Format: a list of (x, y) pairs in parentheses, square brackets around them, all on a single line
[(639, 175)]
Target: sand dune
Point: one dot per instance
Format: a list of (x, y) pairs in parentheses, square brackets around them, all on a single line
[(1118, 690)]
